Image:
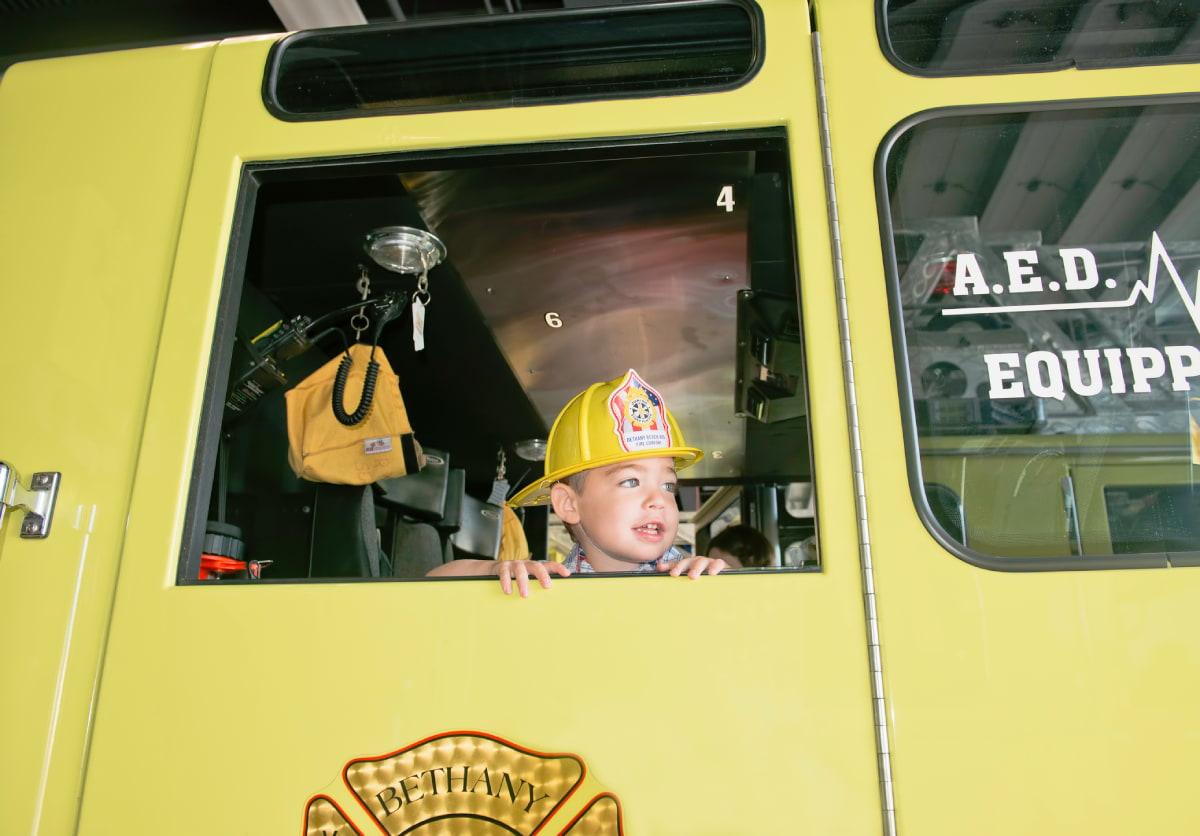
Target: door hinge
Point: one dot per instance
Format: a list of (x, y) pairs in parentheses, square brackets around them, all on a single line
[(36, 501)]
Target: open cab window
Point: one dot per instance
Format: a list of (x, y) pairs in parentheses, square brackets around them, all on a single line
[(540, 270)]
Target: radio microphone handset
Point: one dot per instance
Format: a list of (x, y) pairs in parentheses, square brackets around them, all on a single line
[(285, 341)]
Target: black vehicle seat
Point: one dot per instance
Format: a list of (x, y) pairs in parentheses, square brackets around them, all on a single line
[(478, 534), (416, 548), (416, 507), (345, 541), (420, 495)]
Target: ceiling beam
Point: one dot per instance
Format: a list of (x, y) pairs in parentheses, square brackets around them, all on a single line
[(318, 14)]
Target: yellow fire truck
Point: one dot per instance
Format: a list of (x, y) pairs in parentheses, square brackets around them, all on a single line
[(919, 278)]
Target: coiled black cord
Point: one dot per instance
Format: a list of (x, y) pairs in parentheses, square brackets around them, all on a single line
[(389, 308), (368, 391)]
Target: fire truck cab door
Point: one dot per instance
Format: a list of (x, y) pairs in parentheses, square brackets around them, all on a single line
[(95, 155)]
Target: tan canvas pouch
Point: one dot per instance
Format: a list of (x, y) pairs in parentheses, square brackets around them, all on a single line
[(379, 446)]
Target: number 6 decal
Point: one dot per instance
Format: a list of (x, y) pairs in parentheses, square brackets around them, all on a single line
[(553, 320)]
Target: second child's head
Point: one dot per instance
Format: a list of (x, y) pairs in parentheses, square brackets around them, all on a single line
[(742, 546), (611, 461)]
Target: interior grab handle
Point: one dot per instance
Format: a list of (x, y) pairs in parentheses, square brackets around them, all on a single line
[(36, 501)]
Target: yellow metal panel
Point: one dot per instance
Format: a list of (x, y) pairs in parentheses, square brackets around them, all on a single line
[(94, 160), (704, 728), (735, 704), (1018, 703)]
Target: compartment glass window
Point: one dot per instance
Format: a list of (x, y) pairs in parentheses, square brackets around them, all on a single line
[(1045, 293), (966, 37)]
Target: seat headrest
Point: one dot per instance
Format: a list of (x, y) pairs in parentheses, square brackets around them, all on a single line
[(422, 494)]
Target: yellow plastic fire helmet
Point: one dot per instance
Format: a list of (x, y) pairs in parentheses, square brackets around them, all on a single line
[(615, 421)]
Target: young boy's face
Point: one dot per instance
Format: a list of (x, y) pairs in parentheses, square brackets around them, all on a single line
[(625, 513)]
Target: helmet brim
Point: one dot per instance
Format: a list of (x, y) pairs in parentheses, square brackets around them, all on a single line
[(538, 493)]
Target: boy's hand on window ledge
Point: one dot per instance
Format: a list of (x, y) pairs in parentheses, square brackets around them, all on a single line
[(521, 570), (693, 566)]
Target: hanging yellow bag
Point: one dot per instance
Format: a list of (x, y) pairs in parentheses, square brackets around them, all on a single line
[(327, 443)]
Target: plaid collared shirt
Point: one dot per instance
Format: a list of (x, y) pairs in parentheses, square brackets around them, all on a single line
[(577, 563)]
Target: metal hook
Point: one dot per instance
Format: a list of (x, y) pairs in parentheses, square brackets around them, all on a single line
[(422, 292), (359, 322)]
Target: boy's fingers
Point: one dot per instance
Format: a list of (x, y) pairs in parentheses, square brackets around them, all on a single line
[(542, 569), (520, 570), (542, 575), (505, 578), (695, 566), (510, 570), (677, 566), (522, 580)]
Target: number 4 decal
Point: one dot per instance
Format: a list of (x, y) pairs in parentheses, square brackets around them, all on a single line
[(725, 198)]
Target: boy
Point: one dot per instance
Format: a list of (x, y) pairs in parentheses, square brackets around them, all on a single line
[(610, 475)]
